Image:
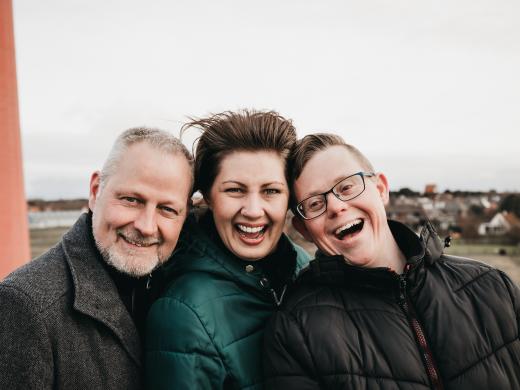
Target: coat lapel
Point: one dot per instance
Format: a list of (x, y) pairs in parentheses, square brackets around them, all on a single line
[(95, 293)]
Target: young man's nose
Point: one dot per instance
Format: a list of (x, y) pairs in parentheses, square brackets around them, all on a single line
[(335, 205)]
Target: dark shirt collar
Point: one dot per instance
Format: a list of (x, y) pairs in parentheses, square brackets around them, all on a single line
[(137, 293)]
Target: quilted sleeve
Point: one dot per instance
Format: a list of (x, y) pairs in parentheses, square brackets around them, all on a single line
[(179, 352), (514, 291), (25, 355), (287, 361)]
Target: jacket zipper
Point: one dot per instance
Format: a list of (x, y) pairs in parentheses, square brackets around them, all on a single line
[(426, 353), (264, 282)]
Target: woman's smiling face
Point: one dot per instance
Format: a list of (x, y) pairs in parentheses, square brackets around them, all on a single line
[(249, 200)]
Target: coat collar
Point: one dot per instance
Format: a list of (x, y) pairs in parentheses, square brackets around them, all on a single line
[(95, 293), (420, 252)]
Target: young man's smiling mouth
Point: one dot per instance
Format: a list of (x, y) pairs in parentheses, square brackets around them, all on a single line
[(349, 229)]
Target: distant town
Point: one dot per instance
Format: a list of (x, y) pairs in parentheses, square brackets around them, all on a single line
[(483, 217), (480, 217)]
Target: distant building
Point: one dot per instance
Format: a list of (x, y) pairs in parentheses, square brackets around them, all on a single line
[(410, 214), (502, 223), (430, 189)]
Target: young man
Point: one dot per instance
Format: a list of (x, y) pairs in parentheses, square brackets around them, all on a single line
[(380, 307), (72, 318)]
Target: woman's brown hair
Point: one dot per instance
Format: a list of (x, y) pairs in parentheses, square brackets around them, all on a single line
[(230, 131)]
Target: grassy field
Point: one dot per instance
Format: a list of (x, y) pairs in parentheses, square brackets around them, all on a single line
[(503, 257), (43, 239)]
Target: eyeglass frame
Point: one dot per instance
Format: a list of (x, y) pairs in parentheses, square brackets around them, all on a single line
[(324, 194)]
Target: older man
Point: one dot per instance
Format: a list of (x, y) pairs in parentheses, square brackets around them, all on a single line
[(380, 307), (71, 318)]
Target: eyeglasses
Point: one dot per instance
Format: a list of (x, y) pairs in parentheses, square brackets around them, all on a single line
[(347, 189)]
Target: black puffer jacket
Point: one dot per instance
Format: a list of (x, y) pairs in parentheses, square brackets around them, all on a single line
[(447, 322)]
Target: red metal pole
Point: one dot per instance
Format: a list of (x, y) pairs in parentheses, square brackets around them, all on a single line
[(14, 231)]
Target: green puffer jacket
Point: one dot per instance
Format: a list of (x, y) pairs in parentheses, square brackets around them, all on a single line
[(206, 331)]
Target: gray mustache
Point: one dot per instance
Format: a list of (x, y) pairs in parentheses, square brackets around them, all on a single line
[(138, 238)]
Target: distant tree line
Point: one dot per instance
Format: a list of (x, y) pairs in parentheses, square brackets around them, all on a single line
[(60, 204), (409, 193)]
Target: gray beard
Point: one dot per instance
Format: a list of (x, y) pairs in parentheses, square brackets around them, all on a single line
[(135, 268)]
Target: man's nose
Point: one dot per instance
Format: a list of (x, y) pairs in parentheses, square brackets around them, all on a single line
[(253, 207), (146, 221), (335, 205)]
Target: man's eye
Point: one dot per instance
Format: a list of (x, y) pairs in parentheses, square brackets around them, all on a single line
[(346, 187), (129, 199), (169, 210), (315, 204)]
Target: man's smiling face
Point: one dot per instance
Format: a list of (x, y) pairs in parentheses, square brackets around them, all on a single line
[(356, 229), (139, 211)]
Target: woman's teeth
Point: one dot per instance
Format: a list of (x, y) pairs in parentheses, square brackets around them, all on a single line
[(250, 229)]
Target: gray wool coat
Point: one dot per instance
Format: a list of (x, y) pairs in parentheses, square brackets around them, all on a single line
[(63, 324)]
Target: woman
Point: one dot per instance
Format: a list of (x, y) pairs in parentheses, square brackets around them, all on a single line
[(233, 266)]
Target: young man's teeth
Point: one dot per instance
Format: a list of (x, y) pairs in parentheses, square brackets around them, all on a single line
[(249, 229), (347, 226)]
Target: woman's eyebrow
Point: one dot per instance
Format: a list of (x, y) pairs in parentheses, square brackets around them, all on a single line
[(273, 182)]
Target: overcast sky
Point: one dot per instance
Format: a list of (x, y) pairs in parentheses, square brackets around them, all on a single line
[(429, 90)]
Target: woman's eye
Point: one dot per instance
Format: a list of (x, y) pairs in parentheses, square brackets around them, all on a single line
[(272, 191), (234, 190)]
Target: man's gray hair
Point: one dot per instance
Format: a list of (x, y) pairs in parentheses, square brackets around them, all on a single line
[(159, 139)]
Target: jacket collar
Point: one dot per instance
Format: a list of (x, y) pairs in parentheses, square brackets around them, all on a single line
[(420, 251), (198, 251), (95, 293)]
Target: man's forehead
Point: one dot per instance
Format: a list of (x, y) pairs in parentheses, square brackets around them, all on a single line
[(325, 169), (166, 176)]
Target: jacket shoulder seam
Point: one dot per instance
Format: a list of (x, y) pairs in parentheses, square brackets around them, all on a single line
[(466, 284), (30, 300)]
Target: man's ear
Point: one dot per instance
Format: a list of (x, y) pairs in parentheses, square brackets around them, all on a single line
[(382, 187), (95, 183), (299, 225)]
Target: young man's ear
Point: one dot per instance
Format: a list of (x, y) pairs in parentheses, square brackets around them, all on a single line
[(300, 227), (95, 183), (383, 189)]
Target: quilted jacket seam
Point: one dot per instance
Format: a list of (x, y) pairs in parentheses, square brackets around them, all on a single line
[(190, 308), (505, 345)]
